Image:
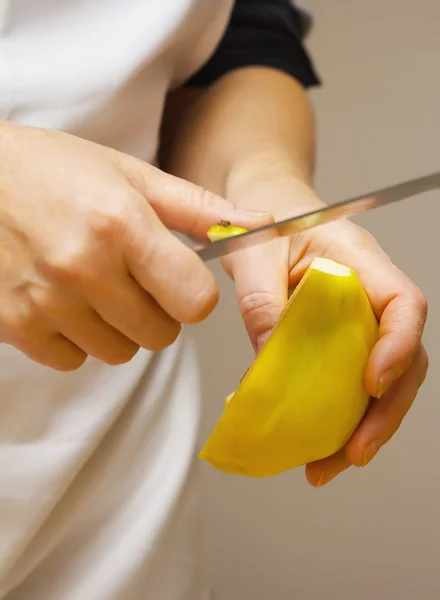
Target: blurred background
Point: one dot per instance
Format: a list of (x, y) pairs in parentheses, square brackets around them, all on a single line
[(372, 533)]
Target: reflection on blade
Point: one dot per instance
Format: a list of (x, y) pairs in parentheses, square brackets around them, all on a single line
[(348, 208)]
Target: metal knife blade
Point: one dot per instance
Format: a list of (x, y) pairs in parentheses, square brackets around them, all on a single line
[(346, 208)]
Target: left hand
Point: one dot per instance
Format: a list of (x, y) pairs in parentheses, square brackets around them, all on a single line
[(398, 363)]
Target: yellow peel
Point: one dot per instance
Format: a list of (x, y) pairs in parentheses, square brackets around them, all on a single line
[(224, 230), (303, 396)]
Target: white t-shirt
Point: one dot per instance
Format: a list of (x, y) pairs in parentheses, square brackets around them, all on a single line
[(97, 469)]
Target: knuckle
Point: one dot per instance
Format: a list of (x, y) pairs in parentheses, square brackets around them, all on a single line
[(18, 328), (109, 220), (68, 264), (205, 202), (198, 196), (255, 301), (43, 299), (206, 198), (418, 305), (263, 304)]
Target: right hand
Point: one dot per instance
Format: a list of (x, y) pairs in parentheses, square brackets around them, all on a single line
[(87, 264)]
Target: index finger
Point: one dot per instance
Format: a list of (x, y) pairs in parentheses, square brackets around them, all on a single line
[(184, 206), (162, 265)]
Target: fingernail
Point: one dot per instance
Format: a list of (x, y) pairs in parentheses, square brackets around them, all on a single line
[(370, 451), (386, 381), (328, 475)]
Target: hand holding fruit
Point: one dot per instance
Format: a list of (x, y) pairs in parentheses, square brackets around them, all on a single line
[(398, 363)]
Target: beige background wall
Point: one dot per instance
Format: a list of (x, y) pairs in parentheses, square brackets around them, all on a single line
[(372, 533)]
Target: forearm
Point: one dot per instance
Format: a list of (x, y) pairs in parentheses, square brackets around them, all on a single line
[(252, 128)]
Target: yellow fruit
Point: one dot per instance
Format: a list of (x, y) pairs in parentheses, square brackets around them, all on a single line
[(303, 396), (224, 230), (228, 399)]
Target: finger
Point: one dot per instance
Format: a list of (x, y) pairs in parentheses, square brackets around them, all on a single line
[(34, 336), (322, 471), (96, 338), (401, 308), (183, 206), (55, 352), (260, 274), (99, 273), (135, 314), (400, 335), (178, 280), (80, 324), (380, 423), (384, 417), (147, 270)]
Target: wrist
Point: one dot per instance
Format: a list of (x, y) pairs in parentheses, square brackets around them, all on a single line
[(272, 181)]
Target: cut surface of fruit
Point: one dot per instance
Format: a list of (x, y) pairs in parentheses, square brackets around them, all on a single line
[(224, 230), (303, 396)]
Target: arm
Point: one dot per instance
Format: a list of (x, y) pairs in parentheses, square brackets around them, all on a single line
[(252, 126), (249, 133), (250, 136), (247, 110)]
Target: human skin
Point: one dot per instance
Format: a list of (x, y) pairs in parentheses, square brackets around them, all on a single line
[(250, 137), (88, 265)]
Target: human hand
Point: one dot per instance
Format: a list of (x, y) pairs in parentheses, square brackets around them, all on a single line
[(87, 264), (398, 363)]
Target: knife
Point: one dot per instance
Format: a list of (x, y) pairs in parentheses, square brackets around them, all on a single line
[(346, 208)]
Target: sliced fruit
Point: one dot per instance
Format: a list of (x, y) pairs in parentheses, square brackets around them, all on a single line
[(303, 396), (224, 230)]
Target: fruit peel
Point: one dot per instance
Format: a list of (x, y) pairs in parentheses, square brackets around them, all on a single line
[(303, 396), (223, 230)]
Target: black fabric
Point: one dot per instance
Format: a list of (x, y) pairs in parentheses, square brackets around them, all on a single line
[(261, 33)]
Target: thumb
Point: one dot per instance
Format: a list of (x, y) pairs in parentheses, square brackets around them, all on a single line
[(261, 279), (184, 206)]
